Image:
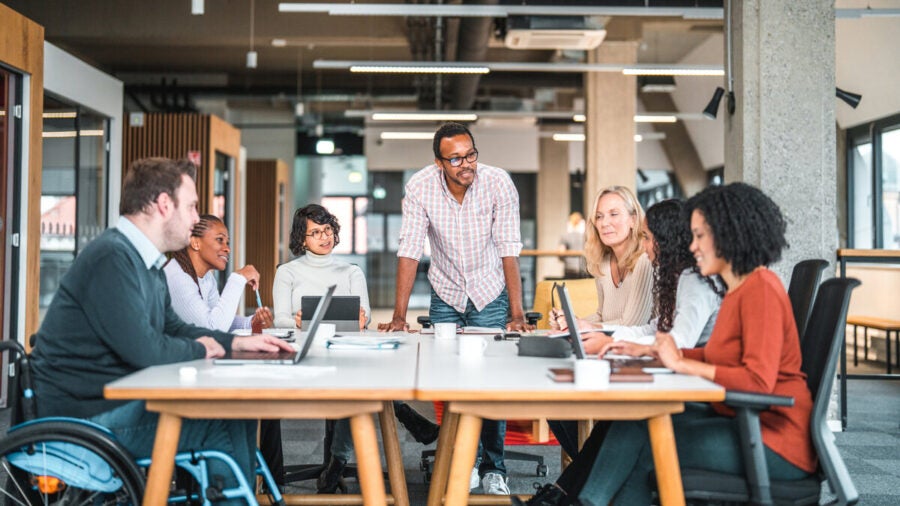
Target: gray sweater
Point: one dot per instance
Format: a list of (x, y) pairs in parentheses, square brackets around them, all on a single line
[(111, 317)]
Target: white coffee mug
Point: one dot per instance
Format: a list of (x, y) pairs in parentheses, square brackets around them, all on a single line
[(445, 330), (591, 374), (325, 331), (471, 346)]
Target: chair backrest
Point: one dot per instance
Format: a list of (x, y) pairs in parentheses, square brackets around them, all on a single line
[(820, 348), (583, 293), (802, 290)]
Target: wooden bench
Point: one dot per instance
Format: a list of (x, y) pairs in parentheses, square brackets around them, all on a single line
[(885, 325)]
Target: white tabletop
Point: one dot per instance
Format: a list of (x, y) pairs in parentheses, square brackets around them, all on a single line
[(502, 375), (322, 374)]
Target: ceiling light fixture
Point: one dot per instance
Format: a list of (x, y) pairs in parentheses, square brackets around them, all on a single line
[(655, 118), (406, 136), (498, 66), (668, 70), (568, 137), (197, 7), (325, 147), (59, 115), (251, 54), (422, 116), (71, 133), (279, 42), (417, 69), (494, 11), (579, 118)]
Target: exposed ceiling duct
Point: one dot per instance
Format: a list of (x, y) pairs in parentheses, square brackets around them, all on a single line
[(472, 45)]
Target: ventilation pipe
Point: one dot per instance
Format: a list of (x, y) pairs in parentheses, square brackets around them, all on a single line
[(472, 46)]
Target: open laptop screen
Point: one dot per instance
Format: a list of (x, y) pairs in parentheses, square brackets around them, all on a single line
[(574, 335)]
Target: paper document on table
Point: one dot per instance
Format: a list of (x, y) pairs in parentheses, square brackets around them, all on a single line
[(470, 330), (363, 343), (274, 371)]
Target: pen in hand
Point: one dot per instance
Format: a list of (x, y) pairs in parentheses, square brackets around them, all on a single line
[(258, 299)]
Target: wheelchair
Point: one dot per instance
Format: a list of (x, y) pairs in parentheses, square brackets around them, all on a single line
[(58, 460)]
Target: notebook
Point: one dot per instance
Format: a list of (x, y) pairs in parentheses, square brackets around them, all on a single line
[(282, 358), (343, 311)]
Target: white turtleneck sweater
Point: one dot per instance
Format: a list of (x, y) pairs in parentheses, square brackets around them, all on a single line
[(311, 274)]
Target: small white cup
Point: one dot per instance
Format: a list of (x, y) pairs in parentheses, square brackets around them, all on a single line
[(187, 374), (471, 346), (325, 331), (591, 374), (445, 330)]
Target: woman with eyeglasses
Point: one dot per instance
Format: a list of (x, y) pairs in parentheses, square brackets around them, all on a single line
[(314, 234)]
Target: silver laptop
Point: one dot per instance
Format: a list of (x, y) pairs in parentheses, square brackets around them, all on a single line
[(343, 311), (574, 335), (282, 358)]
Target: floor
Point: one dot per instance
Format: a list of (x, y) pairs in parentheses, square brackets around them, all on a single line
[(870, 447)]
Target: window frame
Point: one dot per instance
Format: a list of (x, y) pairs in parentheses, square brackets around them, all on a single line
[(868, 133)]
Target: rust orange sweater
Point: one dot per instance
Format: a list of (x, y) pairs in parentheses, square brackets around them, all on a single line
[(755, 348)]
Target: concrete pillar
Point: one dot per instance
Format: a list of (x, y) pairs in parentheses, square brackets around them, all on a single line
[(552, 203), (782, 135), (610, 103)]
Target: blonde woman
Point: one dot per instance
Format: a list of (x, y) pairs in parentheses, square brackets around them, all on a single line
[(616, 259)]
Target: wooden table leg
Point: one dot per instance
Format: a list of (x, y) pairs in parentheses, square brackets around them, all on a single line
[(368, 459), (165, 446), (392, 455), (665, 460), (440, 471), (464, 450)]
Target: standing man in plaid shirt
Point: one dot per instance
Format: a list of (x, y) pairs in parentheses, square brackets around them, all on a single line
[(470, 214)]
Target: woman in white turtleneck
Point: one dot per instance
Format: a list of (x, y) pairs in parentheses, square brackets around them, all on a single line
[(314, 234)]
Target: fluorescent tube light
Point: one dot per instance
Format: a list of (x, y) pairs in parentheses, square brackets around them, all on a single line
[(568, 137), (406, 136), (673, 71), (580, 118), (196, 7), (417, 69), (279, 42), (71, 133), (495, 11), (415, 116), (60, 115), (651, 118)]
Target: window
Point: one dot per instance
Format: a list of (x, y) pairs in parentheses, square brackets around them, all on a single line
[(73, 189), (873, 185)]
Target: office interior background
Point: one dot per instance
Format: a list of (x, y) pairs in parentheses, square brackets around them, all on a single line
[(280, 105)]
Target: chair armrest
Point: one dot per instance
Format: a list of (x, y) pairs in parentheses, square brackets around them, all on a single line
[(532, 317), (757, 401), (424, 321)]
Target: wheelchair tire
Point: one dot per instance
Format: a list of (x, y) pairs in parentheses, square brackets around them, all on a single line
[(41, 483)]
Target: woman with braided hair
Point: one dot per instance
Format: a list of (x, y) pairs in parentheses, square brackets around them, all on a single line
[(190, 275)]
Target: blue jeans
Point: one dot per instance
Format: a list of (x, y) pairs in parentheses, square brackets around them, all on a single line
[(493, 432), (704, 440), (135, 429)]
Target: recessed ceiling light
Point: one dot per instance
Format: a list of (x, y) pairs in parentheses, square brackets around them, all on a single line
[(580, 118), (414, 69), (414, 116), (569, 137), (279, 42)]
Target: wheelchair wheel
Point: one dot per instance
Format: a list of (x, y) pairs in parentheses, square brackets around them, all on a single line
[(60, 462)]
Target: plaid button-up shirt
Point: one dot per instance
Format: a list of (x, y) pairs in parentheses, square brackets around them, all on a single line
[(468, 239)]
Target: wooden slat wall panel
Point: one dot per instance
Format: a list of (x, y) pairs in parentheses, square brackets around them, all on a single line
[(263, 221), (22, 48), (174, 135)]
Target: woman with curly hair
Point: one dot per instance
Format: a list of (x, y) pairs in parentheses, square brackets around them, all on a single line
[(314, 234), (622, 270), (737, 232), (686, 307)]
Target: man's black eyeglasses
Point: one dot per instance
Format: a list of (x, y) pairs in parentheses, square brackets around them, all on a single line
[(456, 161)]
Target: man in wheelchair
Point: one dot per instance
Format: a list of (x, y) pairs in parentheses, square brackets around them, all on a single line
[(112, 316)]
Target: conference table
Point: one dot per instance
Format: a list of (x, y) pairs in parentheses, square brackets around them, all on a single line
[(355, 384), (502, 385), (361, 383)]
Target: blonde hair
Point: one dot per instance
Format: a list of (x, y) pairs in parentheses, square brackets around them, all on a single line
[(594, 249)]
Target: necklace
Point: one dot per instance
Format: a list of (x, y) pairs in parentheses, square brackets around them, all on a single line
[(620, 272)]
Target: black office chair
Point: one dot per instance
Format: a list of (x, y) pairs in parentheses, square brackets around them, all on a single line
[(805, 279), (820, 348)]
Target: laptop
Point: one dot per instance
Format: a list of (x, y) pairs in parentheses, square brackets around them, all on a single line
[(343, 311), (282, 358), (574, 335)]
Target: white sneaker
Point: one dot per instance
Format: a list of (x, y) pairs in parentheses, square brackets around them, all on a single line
[(474, 479), (494, 484)]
